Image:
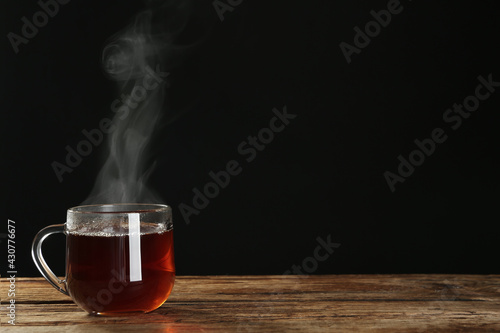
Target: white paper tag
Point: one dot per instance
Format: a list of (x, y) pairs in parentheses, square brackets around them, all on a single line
[(134, 244)]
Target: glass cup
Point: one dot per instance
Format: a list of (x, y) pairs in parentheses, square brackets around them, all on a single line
[(119, 257)]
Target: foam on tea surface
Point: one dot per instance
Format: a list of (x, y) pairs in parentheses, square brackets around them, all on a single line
[(116, 229)]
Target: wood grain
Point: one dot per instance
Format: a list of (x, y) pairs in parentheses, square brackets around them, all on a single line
[(331, 303)]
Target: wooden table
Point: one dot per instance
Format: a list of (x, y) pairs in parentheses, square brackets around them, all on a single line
[(331, 303)]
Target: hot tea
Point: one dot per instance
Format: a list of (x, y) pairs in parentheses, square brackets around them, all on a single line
[(109, 273)]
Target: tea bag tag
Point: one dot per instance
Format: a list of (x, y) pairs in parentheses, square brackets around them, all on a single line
[(134, 242)]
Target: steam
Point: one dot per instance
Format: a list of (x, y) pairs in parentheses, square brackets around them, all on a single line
[(138, 59)]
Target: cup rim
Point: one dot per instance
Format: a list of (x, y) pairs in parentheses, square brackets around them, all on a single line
[(148, 208)]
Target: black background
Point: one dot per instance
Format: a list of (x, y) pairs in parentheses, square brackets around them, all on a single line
[(323, 175)]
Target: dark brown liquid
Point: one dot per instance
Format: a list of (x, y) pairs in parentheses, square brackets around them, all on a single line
[(98, 272)]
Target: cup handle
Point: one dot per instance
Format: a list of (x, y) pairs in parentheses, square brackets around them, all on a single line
[(36, 253)]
